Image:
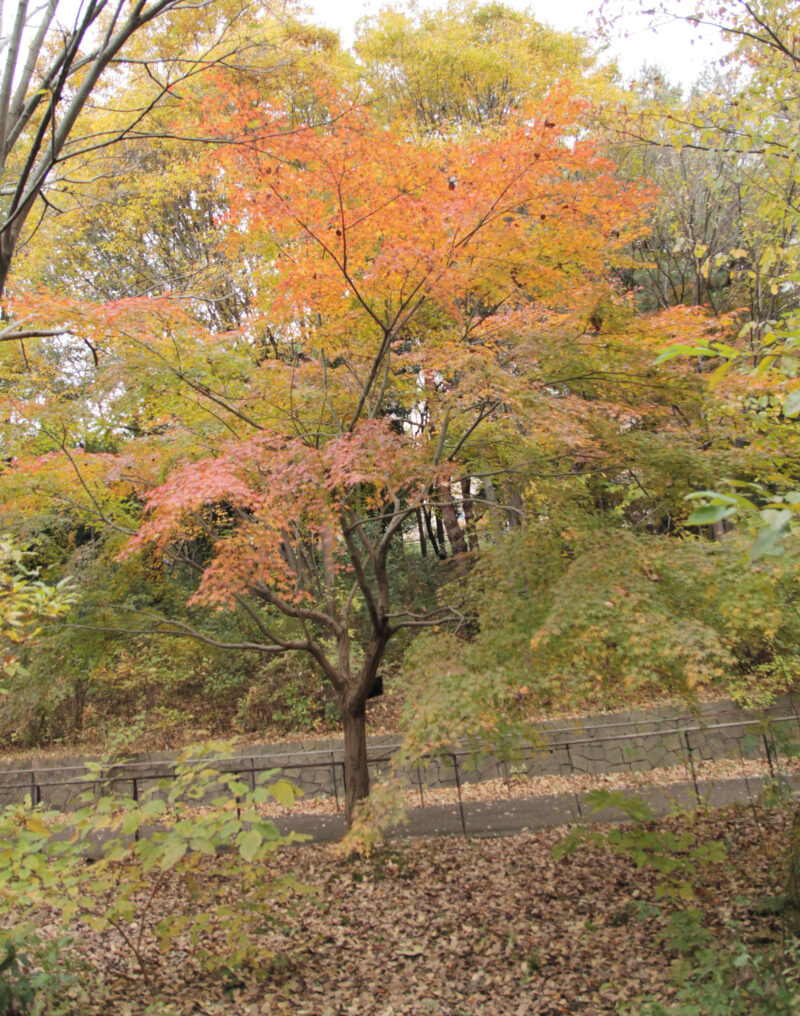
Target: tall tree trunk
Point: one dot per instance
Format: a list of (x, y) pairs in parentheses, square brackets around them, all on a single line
[(458, 545), (495, 520), (437, 539), (328, 571), (423, 543), (440, 532), (514, 506), (5, 266), (356, 772), (469, 514)]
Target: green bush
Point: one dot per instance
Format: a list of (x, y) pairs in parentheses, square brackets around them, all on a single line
[(735, 979), (17, 992), (204, 813), (289, 696), (569, 611)]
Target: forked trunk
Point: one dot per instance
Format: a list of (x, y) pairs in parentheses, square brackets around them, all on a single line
[(356, 773)]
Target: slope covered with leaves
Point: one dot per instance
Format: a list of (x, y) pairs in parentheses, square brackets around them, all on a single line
[(468, 927)]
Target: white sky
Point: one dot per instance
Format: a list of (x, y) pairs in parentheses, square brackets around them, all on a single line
[(675, 48)]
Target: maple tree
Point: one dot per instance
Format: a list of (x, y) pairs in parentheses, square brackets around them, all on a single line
[(407, 291)]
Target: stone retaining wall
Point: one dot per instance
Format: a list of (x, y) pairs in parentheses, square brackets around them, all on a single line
[(633, 741)]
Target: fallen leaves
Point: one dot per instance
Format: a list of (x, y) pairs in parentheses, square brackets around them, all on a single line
[(447, 927)]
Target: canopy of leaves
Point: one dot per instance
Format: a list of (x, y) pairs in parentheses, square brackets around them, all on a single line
[(327, 314)]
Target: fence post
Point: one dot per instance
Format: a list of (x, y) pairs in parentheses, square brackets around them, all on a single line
[(458, 788), (135, 790), (769, 746), (419, 782), (335, 783), (690, 759)]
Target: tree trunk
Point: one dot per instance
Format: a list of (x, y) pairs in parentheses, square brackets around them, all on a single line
[(495, 520), (356, 773), (440, 532), (469, 514), (423, 543), (328, 571), (514, 507), (437, 539), (5, 267), (458, 545)]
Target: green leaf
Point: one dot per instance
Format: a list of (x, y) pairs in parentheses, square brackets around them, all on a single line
[(284, 793), (686, 891), (68, 911), (249, 844), (767, 543), (682, 349), (153, 807), (791, 404), (777, 519), (202, 845), (710, 513), (173, 853), (719, 374), (268, 830), (132, 822), (568, 845), (637, 808), (714, 495)]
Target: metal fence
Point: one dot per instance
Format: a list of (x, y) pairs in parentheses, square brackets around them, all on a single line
[(567, 751)]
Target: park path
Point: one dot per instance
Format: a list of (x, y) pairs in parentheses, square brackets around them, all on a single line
[(522, 815), (593, 748)]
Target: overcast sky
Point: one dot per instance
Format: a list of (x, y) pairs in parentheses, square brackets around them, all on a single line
[(675, 47)]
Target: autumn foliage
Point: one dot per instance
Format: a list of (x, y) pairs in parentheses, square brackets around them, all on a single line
[(413, 304)]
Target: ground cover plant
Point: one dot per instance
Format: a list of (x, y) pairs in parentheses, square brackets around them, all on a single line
[(102, 866)]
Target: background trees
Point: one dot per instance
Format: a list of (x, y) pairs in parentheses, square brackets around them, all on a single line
[(51, 72), (143, 215), (25, 602), (467, 65), (740, 126)]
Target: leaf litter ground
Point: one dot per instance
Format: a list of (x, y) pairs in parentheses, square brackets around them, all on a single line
[(445, 927)]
